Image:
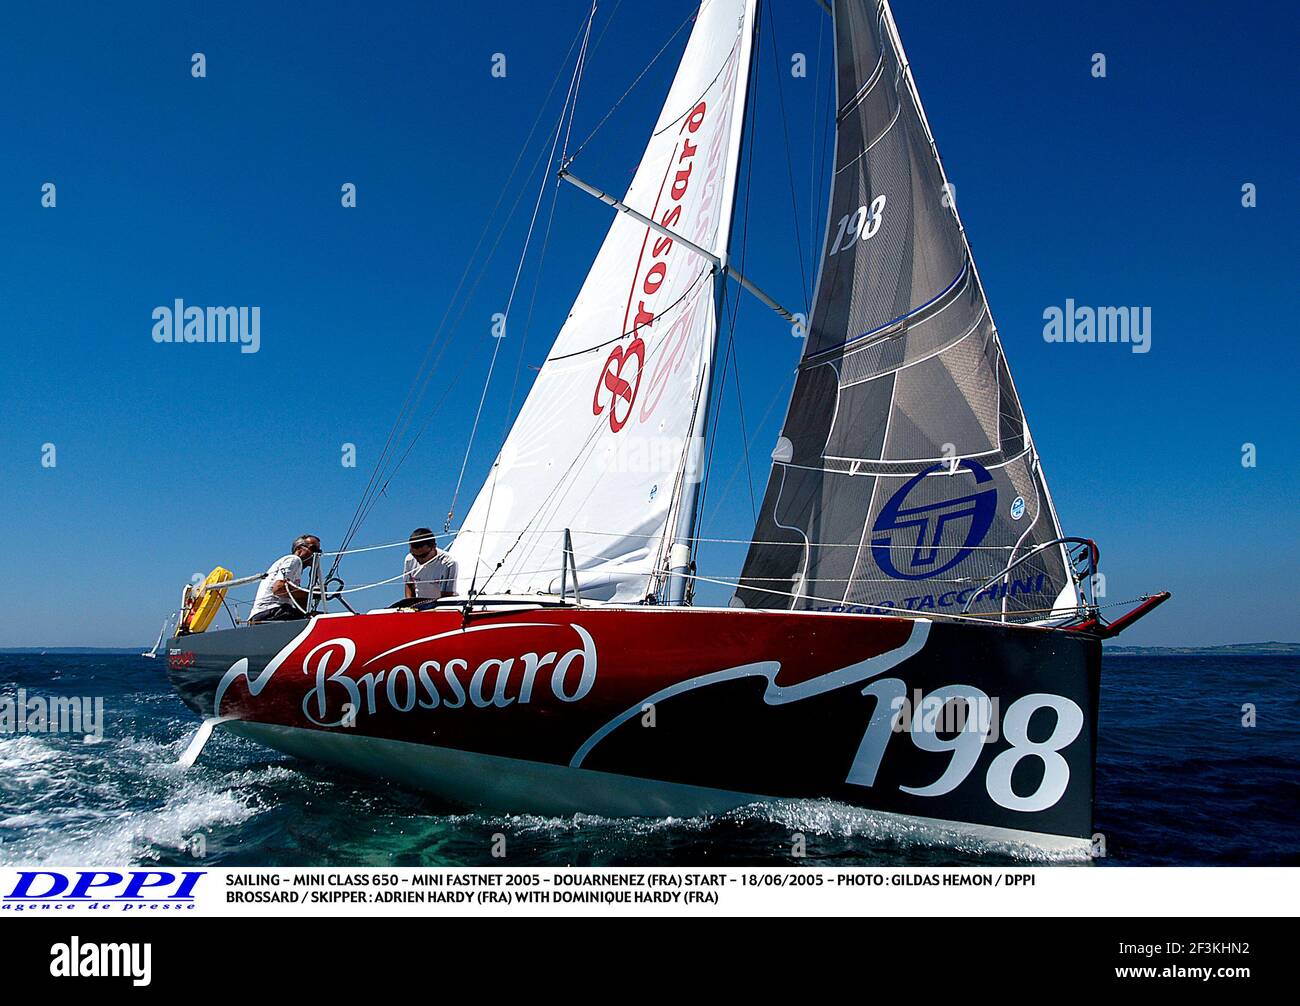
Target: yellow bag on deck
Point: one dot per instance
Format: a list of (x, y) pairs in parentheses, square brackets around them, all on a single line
[(208, 604)]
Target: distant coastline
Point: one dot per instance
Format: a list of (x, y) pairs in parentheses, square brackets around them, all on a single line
[(75, 649), (1270, 649)]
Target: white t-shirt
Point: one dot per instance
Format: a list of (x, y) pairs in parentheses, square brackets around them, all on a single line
[(431, 577), (287, 567)]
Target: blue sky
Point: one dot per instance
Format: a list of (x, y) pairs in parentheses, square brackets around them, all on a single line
[(226, 190)]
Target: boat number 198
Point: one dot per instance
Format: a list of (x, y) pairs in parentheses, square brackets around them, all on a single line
[(861, 223), (966, 745)]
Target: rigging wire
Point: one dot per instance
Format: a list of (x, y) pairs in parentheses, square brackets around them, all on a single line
[(744, 433), (789, 163), (570, 98), (815, 186), (371, 494), (814, 189), (712, 435), (735, 471), (734, 315), (571, 107), (401, 423), (608, 21), (374, 497), (749, 583), (404, 543), (744, 248), (466, 358), (631, 87), (532, 305), (577, 84)]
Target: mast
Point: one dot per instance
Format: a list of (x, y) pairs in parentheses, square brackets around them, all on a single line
[(681, 547)]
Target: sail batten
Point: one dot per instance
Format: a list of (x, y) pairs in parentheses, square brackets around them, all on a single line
[(905, 477), (608, 438)]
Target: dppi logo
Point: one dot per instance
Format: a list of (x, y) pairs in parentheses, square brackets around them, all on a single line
[(929, 521), (614, 381), (96, 887)]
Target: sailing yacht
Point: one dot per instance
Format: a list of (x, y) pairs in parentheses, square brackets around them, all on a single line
[(911, 632)]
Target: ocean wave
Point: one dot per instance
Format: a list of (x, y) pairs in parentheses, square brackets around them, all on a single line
[(870, 831), (122, 801)]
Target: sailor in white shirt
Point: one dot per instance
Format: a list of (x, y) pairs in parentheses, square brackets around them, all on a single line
[(280, 596), (428, 571)]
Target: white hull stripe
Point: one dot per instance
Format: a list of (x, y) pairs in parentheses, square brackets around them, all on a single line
[(775, 694)]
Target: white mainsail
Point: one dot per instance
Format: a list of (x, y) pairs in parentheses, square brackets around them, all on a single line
[(607, 439)]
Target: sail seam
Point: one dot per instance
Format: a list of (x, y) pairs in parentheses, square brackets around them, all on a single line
[(871, 503), (721, 70), (859, 462), (889, 324), (905, 462), (869, 85), (637, 328), (929, 356), (631, 87), (807, 545), (867, 149)]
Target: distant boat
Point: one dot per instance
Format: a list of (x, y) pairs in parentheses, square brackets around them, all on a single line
[(911, 632)]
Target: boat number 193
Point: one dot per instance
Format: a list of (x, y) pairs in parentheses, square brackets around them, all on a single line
[(966, 745), (861, 223)]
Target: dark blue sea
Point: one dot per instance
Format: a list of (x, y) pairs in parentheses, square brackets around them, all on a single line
[(1180, 782)]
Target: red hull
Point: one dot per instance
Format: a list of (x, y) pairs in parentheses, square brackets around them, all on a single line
[(773, 704)]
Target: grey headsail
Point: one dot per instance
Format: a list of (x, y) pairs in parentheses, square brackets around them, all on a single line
[(905, 476)]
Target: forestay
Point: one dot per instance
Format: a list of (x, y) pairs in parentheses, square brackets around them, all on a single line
[(905, 476), (605, 443)]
